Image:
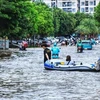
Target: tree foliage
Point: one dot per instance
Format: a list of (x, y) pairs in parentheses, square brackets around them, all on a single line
[(16, 18), (64, 23), (80, 16), (97, 13), (44, 21), (87, 26), (22, 18)]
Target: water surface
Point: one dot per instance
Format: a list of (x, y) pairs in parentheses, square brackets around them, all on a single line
[(23, 77)]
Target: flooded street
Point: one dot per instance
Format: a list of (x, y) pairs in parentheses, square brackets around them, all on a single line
[(23, 77)]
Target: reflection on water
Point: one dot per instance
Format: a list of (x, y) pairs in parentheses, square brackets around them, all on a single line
[(22, 77)]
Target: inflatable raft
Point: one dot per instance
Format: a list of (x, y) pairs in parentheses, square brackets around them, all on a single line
[(56, 64)]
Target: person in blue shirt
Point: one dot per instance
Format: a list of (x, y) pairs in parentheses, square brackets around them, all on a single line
[(55, 51)]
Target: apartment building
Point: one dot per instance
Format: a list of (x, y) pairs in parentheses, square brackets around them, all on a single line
[(86, 6), (66, 5)]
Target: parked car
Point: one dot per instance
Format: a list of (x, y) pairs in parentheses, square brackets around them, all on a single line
[(87, 44), (63, 42), (47, 42)]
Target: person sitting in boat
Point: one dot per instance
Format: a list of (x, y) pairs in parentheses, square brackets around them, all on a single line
[(55, 51), (97, 65), (68, 60)]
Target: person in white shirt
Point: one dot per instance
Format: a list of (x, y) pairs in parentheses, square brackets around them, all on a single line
[(68, 60)]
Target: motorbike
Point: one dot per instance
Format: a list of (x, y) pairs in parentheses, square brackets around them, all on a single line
[(79, 49), (23, 45)]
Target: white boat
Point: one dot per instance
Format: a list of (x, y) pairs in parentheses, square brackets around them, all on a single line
[(58, 64)]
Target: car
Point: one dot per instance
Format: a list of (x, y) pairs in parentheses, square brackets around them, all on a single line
[(87, 44), (63, 42), (47, 42)]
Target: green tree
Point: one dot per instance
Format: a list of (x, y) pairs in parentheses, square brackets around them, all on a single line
[(64, 23), (17, 18), (56, 20), (87, 27), (80, 16), (44, 21), (5, 7), (97, 13)]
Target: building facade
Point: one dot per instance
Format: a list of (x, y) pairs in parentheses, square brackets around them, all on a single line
[(66, 5), (86, 6)]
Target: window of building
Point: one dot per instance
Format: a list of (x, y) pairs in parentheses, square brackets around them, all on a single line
[(86, 3), (59, 4), (69, 9), (73, 3), (53, 4), (65, 9), (69, 4), (73, 10), (86, 9), (82, 3), (94, 2), (91, 9), (91, 3), (64, 4), (82, 10)]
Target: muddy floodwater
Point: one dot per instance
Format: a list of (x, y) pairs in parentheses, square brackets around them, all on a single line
[(23, 77)]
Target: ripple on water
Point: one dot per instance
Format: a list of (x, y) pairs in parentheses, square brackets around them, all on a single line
[(22, 77)]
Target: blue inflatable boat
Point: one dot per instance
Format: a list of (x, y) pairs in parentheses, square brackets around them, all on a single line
[(56, 64)]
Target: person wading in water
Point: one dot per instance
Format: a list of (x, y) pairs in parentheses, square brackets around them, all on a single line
[(47, 52)]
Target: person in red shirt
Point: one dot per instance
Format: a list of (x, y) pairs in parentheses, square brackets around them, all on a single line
[(23, 45)]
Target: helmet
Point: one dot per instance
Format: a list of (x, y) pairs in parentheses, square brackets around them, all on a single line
[(79, 41), (55, 44)]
